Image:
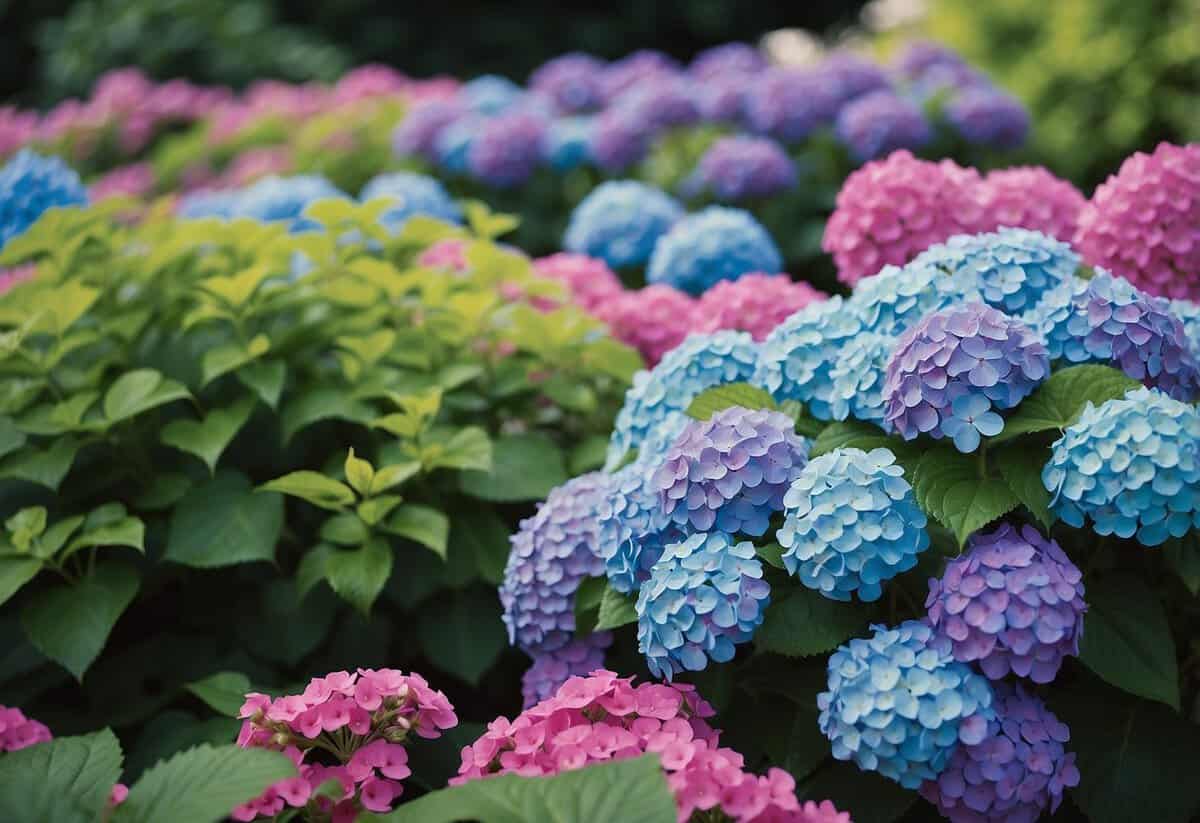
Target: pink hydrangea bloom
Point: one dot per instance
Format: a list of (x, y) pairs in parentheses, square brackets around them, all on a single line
[(1143, 223), (446, 254), (653, 320), (133, 180), (15, 275), (890, 210), (591, 282), (755, 303), (362, 719), (371, 80), (17, 128), (1030, 197), (18, 731)]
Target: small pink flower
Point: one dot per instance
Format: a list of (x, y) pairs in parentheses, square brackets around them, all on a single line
[(255, 703), (117, 795), (377, 795), (286, 709)]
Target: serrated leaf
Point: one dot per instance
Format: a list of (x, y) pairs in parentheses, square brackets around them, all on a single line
[(524, 467), (66, 780), (616, 610), (227, 357), (224, 522), (70, 623), (1127, 640), (265, 378), (208, 438), (421, 524), (465, 634), (1022, 471), (224, 692), (949, 488), (800, 622), (358, 575), (1059, 401), (202, 784), (313, 487), (140, 390), (587, 603), (713, 400)]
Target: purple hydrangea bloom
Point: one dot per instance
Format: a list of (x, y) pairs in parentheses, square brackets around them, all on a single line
[(727, 58), (898, 706), (571, 81), (1016, 774), (880, 122), (635, 68), (417, 134), (1012, 603), (507, 149), (705, 595), (730, 472), (722, 99), (797, 358), (1108, 320), (549, 670), (851, 523), (853, 76), (989, 117), (1132, 466), (619, 140), (742, 168), (552, 552), (660, 103), (951, 372), (790, 104), (921, 55)]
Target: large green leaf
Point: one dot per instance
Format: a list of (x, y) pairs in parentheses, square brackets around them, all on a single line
[(44, 467), (223, 522), (322, 403), (1127, 640), (950, 488), (469, 449), (66, 780), (202, 784), (625, 790), (223, 359), (208, 438), (464, 635), (421, 524), (11, 438), (479, 539), (1056, 403), (225, 692), (137, 391), (616, 610), (358, 575), (314, 487), (801, 622), (710, 401), (588, 596), (524, 467), (265, 378), (70, 623), (15, 572), (1022, 470)]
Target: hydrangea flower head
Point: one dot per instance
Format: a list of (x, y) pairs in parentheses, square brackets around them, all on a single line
[(220, 203), (662, 102), (567, 143), (620, 221), (1012, 603), (730, 472), (571, 81), (452, 148), (551, 669), (411, 194), (1143, 223), (284, 199), (507, 149), (789, 104), (1012, 267), (851, 523), (551, 553), (589, 281), (797, 357), (954, 370), (878, 123), (890, 210), (989, 117), (1189, 315), (1033, 198), (417, 134), (856, 378), (490, 94), (853, 75), (722, 99), (898, 706), (705, 595), (634, 69), (29, 185), (653, 319), (893, 301), (744, 168), (18, 731), (1131, 466), (755, 303), (919, 56), (618, 140), (711, 245), (1017, 772), (727, 58)]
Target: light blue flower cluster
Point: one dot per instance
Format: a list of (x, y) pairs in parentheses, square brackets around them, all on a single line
[(1131, 466), (898, 706), (798, 356), (1189, 314), (568, 142), (29, 185), (490, 94), (452, 147), (705, 595), (857, 377), (1014, 268), (699, 362), (620, 221), (894, 300), (411, 194), (269, 200), (711, 245), (851, 522)]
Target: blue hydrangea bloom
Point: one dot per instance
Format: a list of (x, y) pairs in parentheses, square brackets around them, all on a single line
[(1014, 268), (898, 706), (568, 143), (284, 199), (620, 221), (894, 300), (633, 528), (29, 185), (878, 123), (412, 194), (857, 376), (705, 595), (1108, 320), (1189, 315), (220, 203), (730, 472), (452, 147), (954, 370), (851, 522), (797, 358), (1131, 466), (552, 551), (989, 117), (490, 94), (711, 245)]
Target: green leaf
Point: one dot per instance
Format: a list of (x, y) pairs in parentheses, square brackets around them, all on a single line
[(625, 790), (165, 490), (1183, 557), (202, 784), (57, 535), (128, 531), (613, 358), (524, 467), (713, 400), (15, 572), (772, 553), (468, 449), (422, 524), (1127, 640), (314, 404), (314, 487), (209, 438), (70, 623), (465, 635), (616, 610), (45, 468), (67, 303), (486, 223), (388, 477), (587, 603), (345, 529), (479, 538), (264, 378), (854, 434), (26, 526), (224, 692), (140, 390), (66, 780), (802, 622), (949, 489), (359, 473), (1059, 401), (374, 509), (358, 575), (224, 522), (11, 438), (588, 455), (225, 358), (236, 289), (1022, 471)]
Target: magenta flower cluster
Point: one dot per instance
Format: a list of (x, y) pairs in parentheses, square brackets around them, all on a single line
[(18, 731)]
